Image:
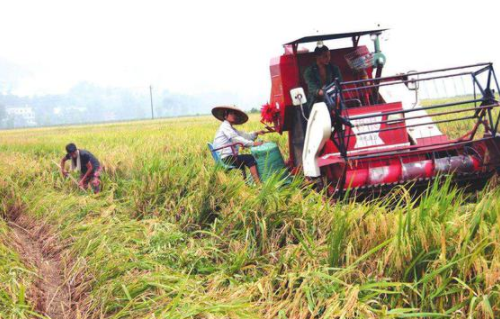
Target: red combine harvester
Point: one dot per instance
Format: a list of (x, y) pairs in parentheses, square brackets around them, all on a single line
[(371, 132)]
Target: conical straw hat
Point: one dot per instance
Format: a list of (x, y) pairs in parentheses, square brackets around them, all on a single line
[(219, 111)]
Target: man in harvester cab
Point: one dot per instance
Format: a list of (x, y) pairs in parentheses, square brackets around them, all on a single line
[(227, 136), (319, 75)]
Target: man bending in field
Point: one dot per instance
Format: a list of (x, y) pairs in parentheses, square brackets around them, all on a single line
[(86, 163), (226, 136)]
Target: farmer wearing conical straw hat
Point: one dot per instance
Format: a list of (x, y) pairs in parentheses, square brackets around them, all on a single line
[(227, 136), (86, 163)]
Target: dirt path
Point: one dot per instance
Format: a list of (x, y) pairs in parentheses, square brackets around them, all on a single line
[(39, 248)]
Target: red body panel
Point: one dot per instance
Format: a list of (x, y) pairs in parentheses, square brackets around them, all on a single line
[(284, 77), (389, 135), (372, 142)]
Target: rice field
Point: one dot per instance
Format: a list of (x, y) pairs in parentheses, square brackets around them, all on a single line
[(171, 236)]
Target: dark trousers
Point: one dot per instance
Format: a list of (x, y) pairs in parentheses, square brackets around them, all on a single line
[(94, 180), (240, 161)]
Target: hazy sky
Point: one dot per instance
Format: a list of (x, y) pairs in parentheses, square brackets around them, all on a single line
[(216, 46)]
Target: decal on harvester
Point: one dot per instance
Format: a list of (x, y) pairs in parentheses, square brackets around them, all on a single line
[(361, 128)]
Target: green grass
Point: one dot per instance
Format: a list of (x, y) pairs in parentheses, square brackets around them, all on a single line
[(172, 237)]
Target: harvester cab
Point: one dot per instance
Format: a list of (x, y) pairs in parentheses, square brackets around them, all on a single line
[(370, 133)]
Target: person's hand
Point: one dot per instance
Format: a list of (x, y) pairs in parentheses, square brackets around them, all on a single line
[(81, 184), (262, 132), (321, 93), (64, 173), (257, 143)]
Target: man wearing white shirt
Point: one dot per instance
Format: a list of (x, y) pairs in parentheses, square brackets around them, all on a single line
[(227, 135)]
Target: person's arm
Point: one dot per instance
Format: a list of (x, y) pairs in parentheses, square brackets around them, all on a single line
[(90, 170), (244, 141), (63, 162), (313, 85), (235, 137), (262, 132), (249, 136)]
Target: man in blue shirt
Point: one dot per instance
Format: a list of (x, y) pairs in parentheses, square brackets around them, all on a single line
[(86, 163)]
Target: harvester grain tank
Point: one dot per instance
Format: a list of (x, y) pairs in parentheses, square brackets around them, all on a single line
[(373, 132)]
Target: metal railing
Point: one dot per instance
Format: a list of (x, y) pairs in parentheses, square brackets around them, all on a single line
[(467, 115)]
